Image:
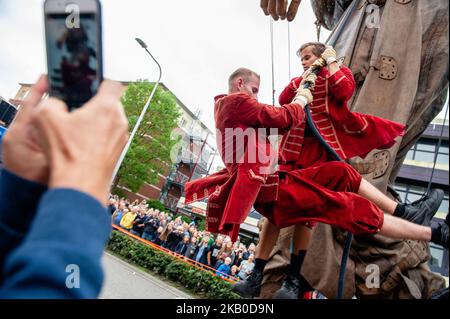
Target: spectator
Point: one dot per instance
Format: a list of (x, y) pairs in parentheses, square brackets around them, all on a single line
[(127, 220), (239, 255), (150, 227), (202, 251), (34, 190), (246, 267), (183, 245), (118, 215), (225, 251), (165, 234), (192, 229), (112, 206), (190, 250), (139, 223), (250, 251), (224, 269), (186, 229), (174, 238), (157, 240), (212, 254), (233, 272)]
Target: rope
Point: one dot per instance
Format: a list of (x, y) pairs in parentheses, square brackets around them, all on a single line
[(272, 58), (329, 149), (289, 49)]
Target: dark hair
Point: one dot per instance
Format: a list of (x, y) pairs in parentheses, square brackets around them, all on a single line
[(317, 48), (244, 73)]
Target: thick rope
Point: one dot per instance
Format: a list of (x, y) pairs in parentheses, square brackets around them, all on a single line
[(329, 149), (272, 58)]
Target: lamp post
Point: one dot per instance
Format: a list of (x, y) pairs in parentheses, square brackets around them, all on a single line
[(141, 116)]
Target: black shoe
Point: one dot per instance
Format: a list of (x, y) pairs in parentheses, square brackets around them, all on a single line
[(251, 287), (423, 210), (293, 287), (441, 229)]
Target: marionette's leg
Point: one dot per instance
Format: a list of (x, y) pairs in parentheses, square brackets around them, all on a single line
[(398, 228), (294, 285), (420, 212), (251, 287)]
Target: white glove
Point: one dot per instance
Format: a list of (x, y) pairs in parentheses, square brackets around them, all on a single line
[(319, 63), (303, 97), (309, 78), (329, 55)]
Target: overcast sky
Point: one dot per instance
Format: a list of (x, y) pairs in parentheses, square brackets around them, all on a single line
[(198, 44)]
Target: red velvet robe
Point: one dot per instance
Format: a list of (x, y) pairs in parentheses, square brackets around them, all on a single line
[(348, 133)]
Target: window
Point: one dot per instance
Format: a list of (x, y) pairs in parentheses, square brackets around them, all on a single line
[(442, 159), (410, 154), (444, 205), (422, 156), (426, 145), (437, 254)]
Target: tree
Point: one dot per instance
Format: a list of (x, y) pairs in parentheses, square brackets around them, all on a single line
[(149, 153), (156, 204)]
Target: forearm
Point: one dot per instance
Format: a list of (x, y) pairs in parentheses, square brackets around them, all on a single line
[(19, 199), (333, 68), (341, 83), (70, 230)]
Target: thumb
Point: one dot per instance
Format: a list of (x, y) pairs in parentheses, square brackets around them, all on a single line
[(48, 116)]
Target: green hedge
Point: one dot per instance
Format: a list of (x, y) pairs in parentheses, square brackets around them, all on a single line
[(202, 283)]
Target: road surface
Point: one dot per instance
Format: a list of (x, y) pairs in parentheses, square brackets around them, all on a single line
[(124, 281)]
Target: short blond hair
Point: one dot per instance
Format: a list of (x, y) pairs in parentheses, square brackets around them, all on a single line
[(245, 73)]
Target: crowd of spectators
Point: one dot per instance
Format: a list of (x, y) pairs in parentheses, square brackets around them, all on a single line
[(232, 260)]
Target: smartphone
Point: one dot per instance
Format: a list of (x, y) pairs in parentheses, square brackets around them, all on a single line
[(73, 37)]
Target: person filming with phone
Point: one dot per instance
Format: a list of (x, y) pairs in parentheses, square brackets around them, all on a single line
[(58, 162)]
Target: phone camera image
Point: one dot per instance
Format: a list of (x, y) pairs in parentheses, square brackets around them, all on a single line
[(73, 58)]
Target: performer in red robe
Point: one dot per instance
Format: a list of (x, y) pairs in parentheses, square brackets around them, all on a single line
[(325, 193), (349, 133)]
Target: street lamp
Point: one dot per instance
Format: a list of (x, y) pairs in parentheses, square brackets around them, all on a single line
[(144, 110)]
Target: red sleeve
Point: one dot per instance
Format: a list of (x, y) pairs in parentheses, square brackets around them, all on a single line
[(253, 113), (289, 91), (342, 84)]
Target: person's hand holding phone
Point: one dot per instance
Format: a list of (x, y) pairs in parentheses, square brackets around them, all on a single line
[(83, 146)]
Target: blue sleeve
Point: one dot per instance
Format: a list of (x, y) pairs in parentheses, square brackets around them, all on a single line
[(19, 199), (61, 255)]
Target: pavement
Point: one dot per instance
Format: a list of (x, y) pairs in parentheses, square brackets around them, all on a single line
[(124, 281)]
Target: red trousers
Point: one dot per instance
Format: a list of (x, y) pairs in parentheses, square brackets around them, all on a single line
[(312, 154), (324, 193)]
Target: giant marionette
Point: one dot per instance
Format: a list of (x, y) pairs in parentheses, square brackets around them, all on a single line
[(397, 51)]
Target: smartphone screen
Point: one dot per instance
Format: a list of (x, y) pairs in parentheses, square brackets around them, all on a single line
[(74, 58)]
